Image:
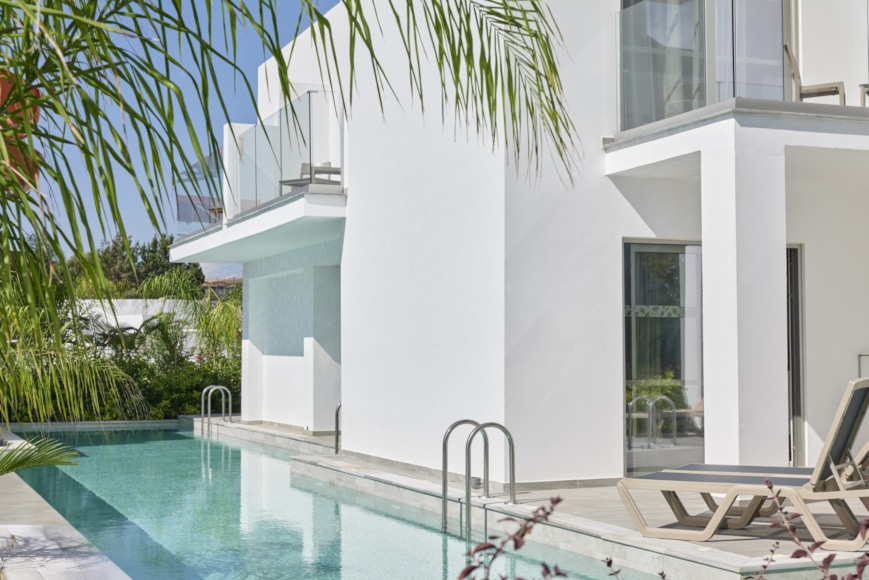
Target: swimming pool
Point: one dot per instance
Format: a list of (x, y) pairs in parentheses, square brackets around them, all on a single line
[(165, 505)]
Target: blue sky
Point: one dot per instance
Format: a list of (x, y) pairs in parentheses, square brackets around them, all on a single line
[(249, 56)]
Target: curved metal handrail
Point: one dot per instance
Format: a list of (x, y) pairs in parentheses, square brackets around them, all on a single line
[(205, 392), (653, 414), (633, 402), (445, 466), (337, 425), (511, 452), (209, 390)]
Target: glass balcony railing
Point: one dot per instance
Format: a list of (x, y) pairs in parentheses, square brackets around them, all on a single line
[(663, 60), (669, 64), (198, 198), (293, 151)]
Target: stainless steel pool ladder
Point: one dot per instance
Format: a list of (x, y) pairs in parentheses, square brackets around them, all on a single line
[(654, 415), (649, 411), (478, 428), (445, 465), (511, 452), (337, 426), (652, 411), (210, 390)]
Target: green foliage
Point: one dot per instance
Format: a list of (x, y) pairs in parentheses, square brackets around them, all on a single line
[(175, 391), (53, 376), (139, 270), (159, 361), (664, 384)]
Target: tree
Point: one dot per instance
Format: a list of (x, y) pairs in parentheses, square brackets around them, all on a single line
[(95, 83), (154, 261), (129, 266)]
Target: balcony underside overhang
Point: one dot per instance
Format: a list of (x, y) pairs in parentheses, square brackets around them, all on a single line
[(280, 227), (673, 148)]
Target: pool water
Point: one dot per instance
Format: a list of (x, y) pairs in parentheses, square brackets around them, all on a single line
[(165, 505)]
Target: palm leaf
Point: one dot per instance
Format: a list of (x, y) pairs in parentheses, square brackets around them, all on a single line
[(36, 453)]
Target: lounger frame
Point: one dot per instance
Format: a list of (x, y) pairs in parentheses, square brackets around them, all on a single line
[(800, 486)]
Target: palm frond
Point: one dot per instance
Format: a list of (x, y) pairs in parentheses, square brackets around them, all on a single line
[(36, 453), (497, 62)]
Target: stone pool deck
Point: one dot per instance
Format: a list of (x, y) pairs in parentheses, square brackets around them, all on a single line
[(591, 521)]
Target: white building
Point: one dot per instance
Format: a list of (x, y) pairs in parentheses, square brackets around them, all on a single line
[(713, 245)]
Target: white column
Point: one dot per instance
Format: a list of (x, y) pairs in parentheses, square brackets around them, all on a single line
[(744, 300), (251, 363)]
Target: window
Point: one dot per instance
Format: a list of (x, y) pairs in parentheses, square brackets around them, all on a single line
[(663, 356)]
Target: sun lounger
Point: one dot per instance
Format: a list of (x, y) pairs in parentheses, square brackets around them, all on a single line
[(836, 478)]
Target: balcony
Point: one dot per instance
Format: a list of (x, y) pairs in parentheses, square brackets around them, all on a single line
[(675, 56), (282, 187), (296, 150)]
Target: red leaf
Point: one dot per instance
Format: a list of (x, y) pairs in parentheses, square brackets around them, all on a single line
[(482, 547), (799, 554), (815, 546), (827, 561), (468, 569), (518, 542), (559, 573)]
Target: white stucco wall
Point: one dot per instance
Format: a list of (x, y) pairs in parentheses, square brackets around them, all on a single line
[(826, 212), (833, 45), (285, 357)]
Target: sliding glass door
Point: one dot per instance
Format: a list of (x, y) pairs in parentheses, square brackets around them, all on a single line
[(663, 356)]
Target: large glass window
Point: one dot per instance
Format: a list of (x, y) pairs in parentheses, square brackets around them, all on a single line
[(663, 356)]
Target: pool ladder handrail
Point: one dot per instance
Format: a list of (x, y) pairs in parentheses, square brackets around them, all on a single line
[(654, 414), (511, 452), (633, 402), (652, 410), (337, 426), (209, 390), (445, 466)]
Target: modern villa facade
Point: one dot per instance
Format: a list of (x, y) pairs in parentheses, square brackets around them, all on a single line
[(711, 249)]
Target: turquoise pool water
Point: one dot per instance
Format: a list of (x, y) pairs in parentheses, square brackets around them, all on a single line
[(164, 505)]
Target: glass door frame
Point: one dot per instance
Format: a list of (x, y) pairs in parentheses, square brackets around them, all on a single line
[(627, 253)]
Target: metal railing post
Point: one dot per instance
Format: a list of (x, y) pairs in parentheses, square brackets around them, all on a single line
[(445, 466), (511, 456), (653, 413), (337, 425), (208, 391), (633, 402)]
